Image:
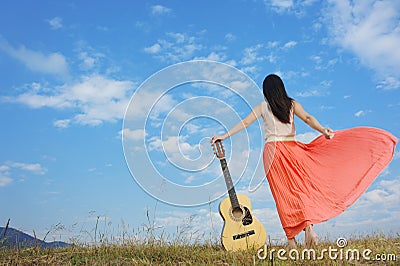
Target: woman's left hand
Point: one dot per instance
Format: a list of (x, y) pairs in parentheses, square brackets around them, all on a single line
[(328, 133), (215, 138)]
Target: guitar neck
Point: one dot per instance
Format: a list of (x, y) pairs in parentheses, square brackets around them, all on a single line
[(229, 184)]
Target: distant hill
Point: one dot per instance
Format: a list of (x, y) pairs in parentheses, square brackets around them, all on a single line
[(14, 238)]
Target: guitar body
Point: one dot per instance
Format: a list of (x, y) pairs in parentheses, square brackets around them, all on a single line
[(241, 229)]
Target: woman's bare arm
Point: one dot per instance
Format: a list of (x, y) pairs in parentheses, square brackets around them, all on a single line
[(311, 120), (255, 113)]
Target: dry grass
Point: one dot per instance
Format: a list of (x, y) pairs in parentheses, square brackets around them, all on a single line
[(148, 246), (155, 252)]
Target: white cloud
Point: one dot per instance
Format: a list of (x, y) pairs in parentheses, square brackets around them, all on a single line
[(50, 63), (102, 28), (62, 123), (353, 24), (308, 2), (251, 70), (9, 168), (213, 56), (310, 93), (317, 60), (362, 113), (377, 210), (272, 58), (199, 226), (276, 50), (4, 168), (4, 180), (150, 101), (359, 113), (273, 44), (96, 98), (392, 186), (316, 26), (160, 10), (321, 90), (307, 137), (175, 47), (206, 224), (289, 45), (34, 168), (55, 23), (270, 219), (184, 153), (173, 145), (389, 83), (189, 179), (4, 175), (326, 107), (386, 193), (279, 6), (251, 55), (137, 134), (230, 37), (179, 37), (89, 60), (154, 49), (321, 64), (377, 196), (164, 104), (396, 155), (298, 8)]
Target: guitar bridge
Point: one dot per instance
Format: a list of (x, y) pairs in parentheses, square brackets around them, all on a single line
[(239, 236)]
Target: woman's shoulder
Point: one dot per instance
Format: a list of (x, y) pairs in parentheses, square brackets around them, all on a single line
[(259, 109), (263, 106), (296, 104)]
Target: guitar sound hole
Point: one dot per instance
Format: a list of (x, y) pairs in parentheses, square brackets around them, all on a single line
[(237, 213)]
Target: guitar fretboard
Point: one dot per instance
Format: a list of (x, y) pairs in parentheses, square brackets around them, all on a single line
[(229, 184)]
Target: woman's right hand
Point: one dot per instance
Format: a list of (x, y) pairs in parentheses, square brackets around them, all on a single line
[(215, 138)]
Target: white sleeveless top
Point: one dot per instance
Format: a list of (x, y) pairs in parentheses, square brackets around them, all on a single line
[(273, 126)]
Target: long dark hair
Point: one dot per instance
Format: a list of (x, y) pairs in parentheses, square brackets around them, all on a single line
[(275, 94)]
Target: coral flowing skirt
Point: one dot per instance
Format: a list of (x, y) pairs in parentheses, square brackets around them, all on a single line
[(314, 182)]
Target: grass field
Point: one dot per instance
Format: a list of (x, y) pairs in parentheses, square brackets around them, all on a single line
[(152, 251), (146, 246)]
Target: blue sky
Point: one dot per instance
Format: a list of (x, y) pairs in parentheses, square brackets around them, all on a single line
[(70, 68)]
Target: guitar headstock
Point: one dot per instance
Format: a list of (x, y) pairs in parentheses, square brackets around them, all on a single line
[(218, 148)]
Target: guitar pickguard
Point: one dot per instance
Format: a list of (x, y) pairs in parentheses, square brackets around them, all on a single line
[(247, 219)]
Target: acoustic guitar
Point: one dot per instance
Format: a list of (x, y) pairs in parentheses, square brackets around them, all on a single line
[(241, 229)]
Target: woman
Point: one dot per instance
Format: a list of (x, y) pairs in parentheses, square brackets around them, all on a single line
[(313, 182)]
